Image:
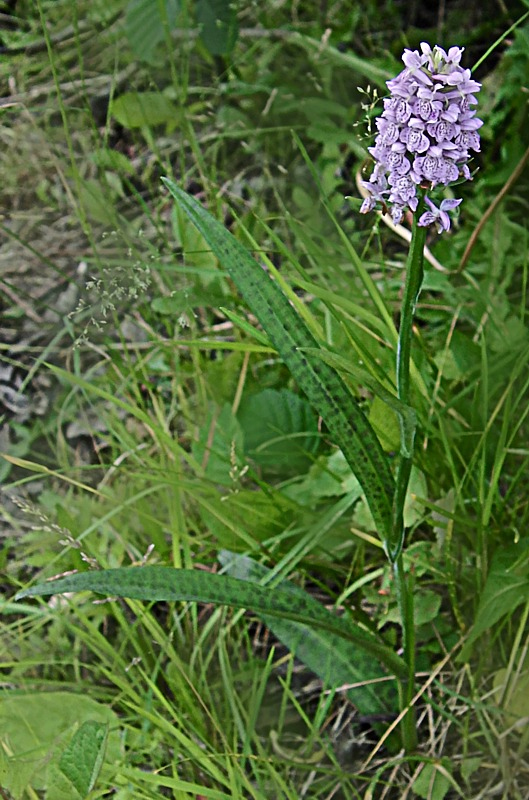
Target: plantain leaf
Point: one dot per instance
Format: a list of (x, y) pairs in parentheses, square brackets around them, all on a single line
[(139, 109), (506, 587), (325, 389), (166, 584)]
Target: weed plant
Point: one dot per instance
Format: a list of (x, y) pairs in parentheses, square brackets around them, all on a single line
[(150, 421)]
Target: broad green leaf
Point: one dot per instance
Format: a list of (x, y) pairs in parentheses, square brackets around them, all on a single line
[(82, 759), (426, 606), (144, 109), (58, 787), (280, 430), (219, 26), (145, 26), (325, 389), (434, 781), (335, 660), (506, 587), (329, 476), (516, 703), (166, 584), (39, 727)]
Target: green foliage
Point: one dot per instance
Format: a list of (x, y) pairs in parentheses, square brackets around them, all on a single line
[(506, 587), (334, 660), (81, 761), (219, 25), (219, 446), (163, 584), (144, 109), (280, 431), (57, 742), (434, 781), (147, 24)]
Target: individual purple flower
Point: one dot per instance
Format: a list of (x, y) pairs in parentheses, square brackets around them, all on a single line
[(414, 138), (425, 134), (442, 130), (378, 189), (427, 109), (397, 109), (438, 215)]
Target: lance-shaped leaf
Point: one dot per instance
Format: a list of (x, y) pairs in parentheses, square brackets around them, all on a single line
[(166, 584), (295, 343)]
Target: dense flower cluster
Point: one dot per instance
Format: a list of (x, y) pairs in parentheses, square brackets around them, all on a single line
[(425, 134)]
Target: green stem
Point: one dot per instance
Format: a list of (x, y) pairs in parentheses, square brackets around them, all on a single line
[(412, 287), (407, 687), (403, 584)]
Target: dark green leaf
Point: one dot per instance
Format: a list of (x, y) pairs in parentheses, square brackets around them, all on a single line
[(245, 518), (280, 430), (219, 27), (82, 759), (166, 584), (506, 587)]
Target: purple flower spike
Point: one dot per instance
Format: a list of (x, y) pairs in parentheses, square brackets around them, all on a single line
[(425, 134), (438, 215)]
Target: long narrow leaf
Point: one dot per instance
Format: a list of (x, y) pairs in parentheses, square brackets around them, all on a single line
[(167, 583), (325, 389)]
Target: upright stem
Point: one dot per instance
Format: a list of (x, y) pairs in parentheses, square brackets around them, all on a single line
[(412, 287)]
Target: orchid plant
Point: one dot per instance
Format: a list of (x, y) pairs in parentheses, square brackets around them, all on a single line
[(426, 133)]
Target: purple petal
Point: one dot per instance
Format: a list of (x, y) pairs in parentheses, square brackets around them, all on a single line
[(448, 205), (426, 219)]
